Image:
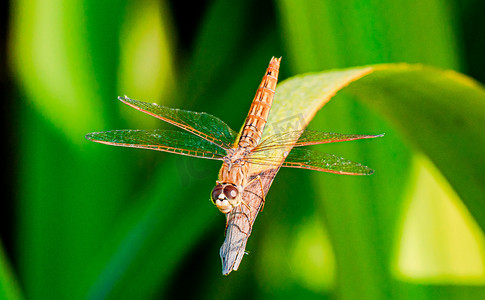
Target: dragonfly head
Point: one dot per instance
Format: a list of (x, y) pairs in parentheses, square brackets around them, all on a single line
[(225, 196)]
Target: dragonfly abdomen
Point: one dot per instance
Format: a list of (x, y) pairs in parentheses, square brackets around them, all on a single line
[(253, 127)]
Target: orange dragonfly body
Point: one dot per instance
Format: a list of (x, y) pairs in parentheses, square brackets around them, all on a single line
[(206, 136), (209, 137), (233, 176)]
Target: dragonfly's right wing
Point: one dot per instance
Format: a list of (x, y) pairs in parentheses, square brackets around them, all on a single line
[(202, 124), (162, 140)]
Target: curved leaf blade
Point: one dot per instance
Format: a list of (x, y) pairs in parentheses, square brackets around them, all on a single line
[(440, 113), (427, 105)]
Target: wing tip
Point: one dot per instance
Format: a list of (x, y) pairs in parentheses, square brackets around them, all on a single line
[(90, 136), (126, 100), (369, 172), (371, 136)]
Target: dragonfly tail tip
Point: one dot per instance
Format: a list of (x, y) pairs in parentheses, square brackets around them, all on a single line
[(275, 60)]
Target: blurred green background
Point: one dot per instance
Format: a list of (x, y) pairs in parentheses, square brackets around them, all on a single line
[(87, 221)]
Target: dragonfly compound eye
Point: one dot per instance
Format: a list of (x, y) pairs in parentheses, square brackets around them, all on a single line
[(216, 192), (231, 192)]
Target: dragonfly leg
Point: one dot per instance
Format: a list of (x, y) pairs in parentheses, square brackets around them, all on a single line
[(262, 190), (245, 204)]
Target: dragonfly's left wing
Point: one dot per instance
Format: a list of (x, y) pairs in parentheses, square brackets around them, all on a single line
[(324, 162), (309, 159), (162, 140), (201, 124), (280, 147)]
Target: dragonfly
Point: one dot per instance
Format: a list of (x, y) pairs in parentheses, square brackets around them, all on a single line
[(206, 136)]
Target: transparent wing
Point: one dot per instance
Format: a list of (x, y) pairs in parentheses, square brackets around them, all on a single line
[(277, 150), (162, 140), (307, 138), (319, 161), (202, 124)]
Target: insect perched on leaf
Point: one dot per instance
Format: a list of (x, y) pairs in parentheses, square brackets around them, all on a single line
[(206, 136)]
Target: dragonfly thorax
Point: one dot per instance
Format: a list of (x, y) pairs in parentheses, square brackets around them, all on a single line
[(236, 157)]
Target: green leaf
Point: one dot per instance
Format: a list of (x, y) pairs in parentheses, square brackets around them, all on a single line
[(438, 113), (426, 105), (362, 215)]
